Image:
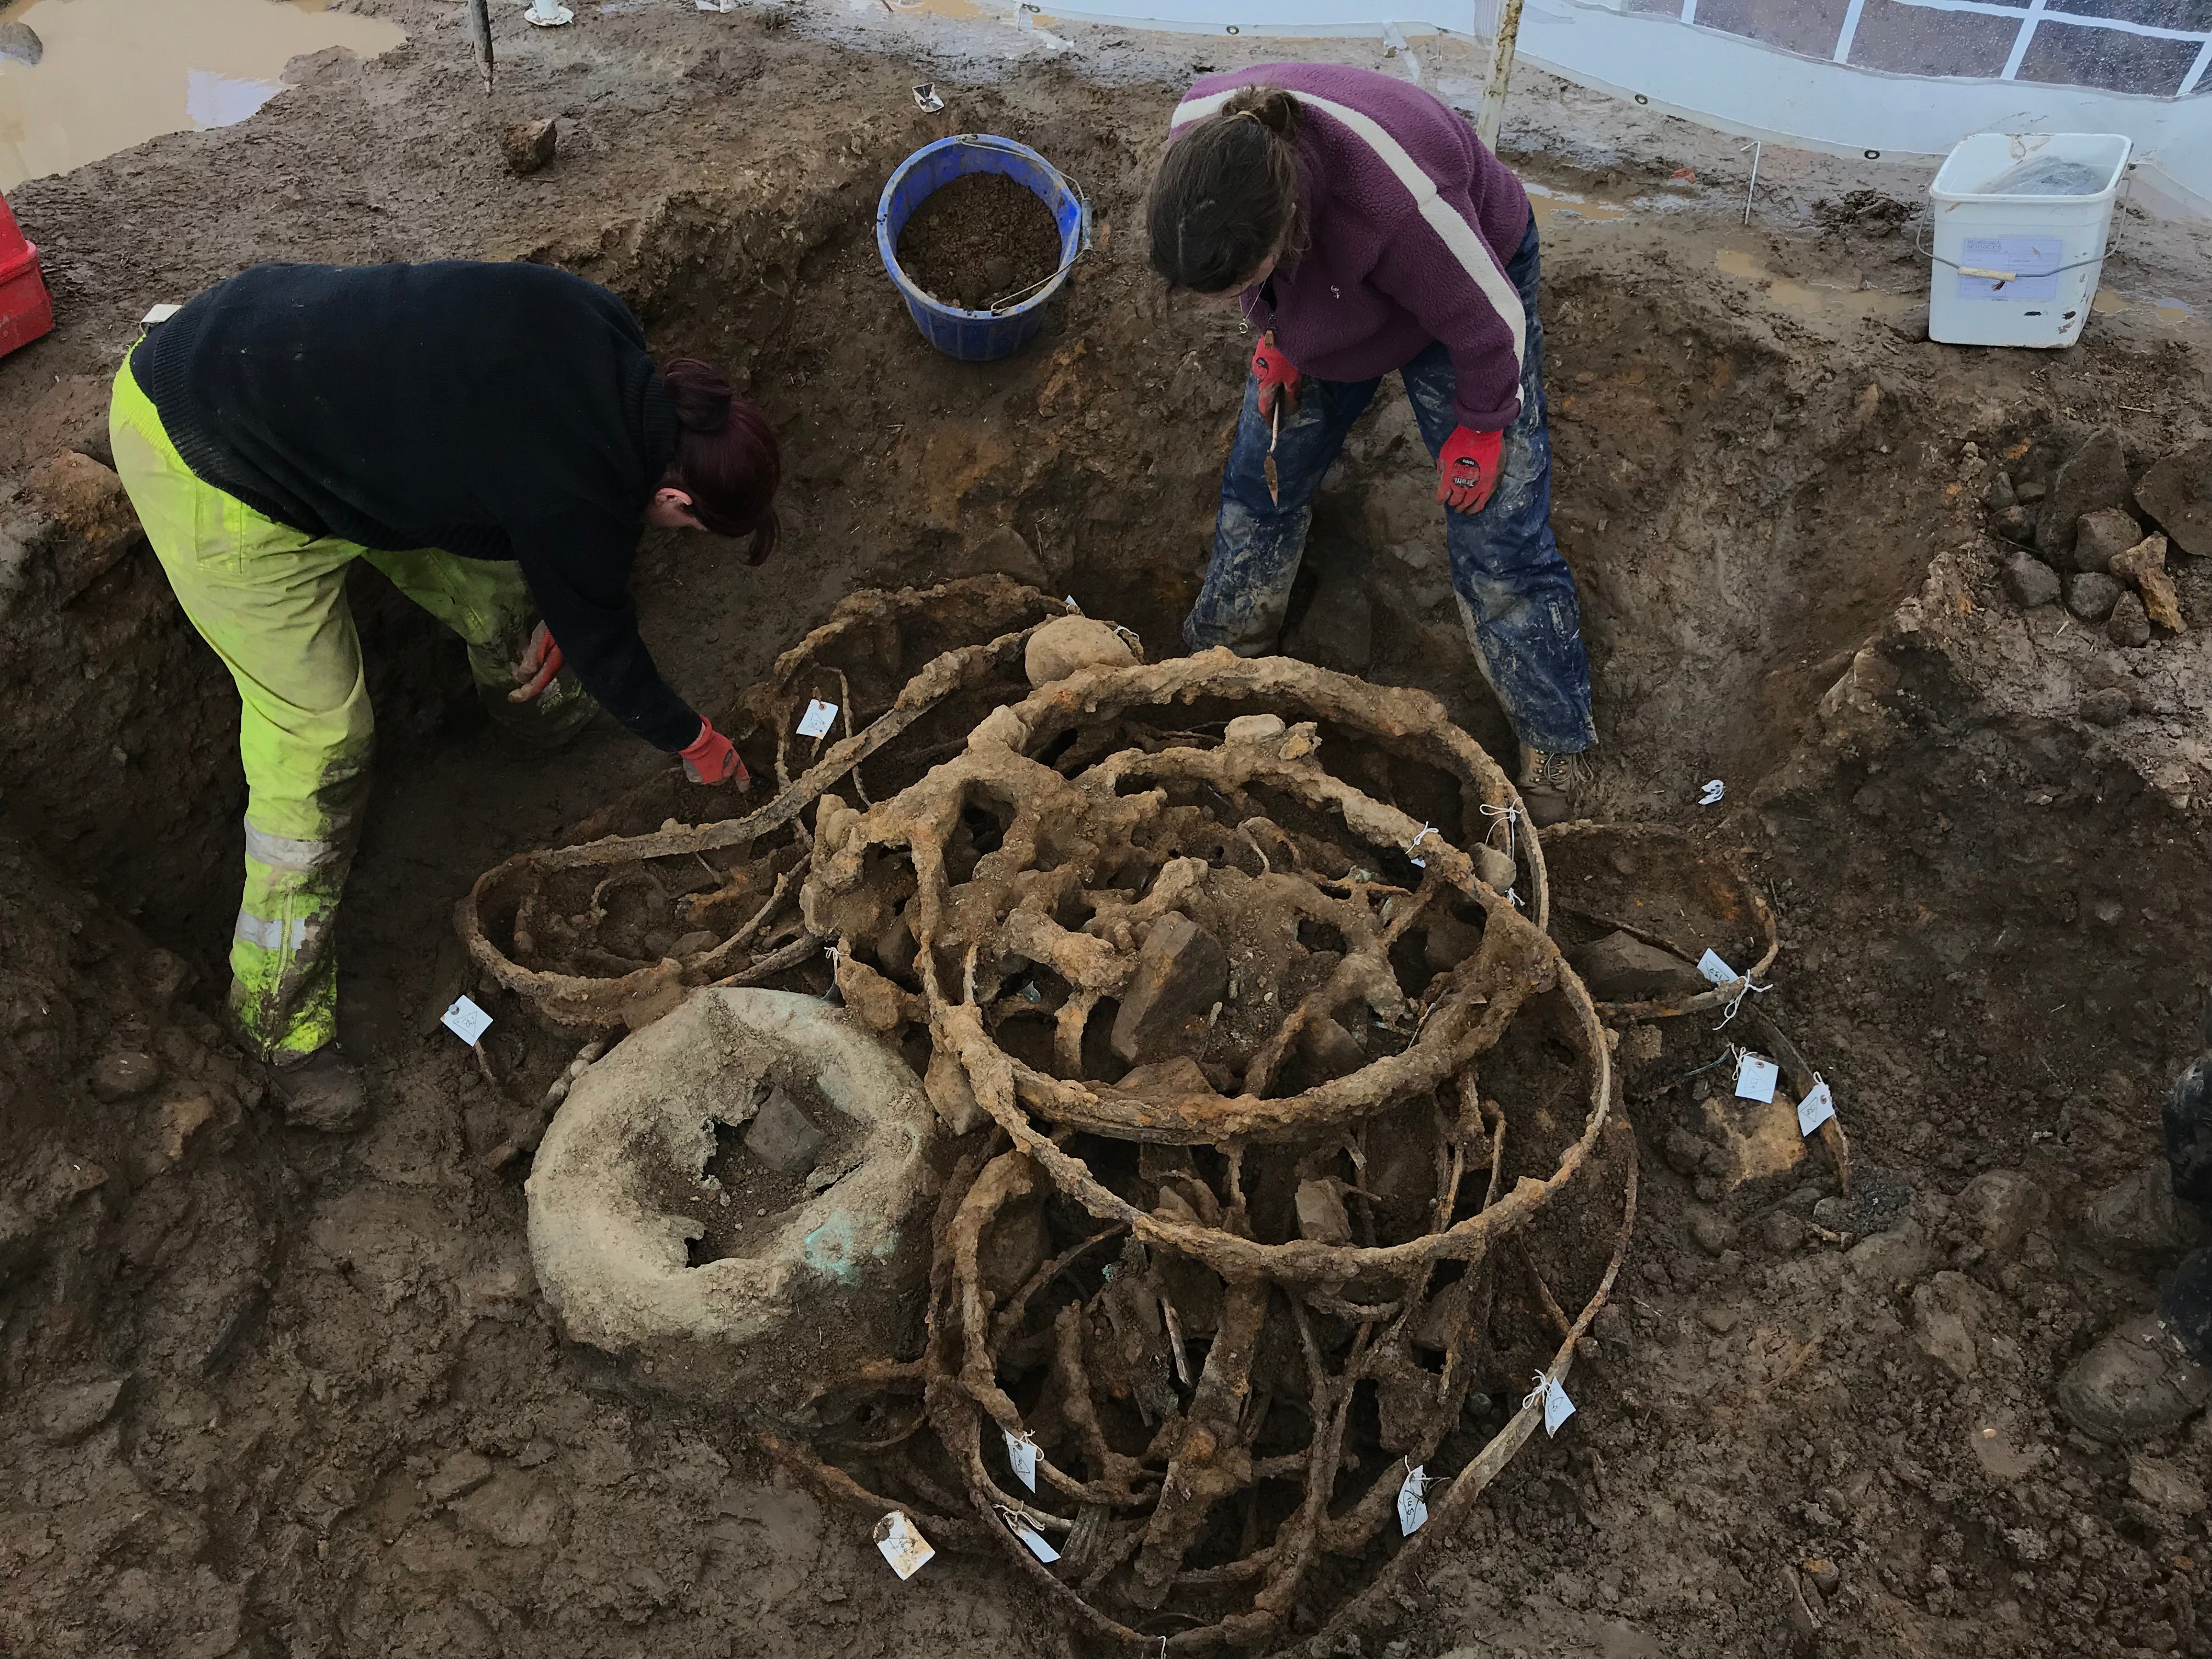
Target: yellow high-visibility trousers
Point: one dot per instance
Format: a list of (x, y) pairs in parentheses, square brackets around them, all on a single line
[(271, 601)]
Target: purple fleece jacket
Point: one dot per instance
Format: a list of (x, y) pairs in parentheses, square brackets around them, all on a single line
[(1409, 222)]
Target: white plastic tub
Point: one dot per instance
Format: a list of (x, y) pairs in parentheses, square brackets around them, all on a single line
[(2018, 268)]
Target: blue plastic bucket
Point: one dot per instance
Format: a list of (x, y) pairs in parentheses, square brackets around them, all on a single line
[(977, 336)]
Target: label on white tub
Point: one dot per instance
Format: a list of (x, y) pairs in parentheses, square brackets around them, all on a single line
[(2033, 261)]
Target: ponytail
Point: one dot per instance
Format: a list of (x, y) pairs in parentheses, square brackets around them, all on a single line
[(1226, 195), (727, 459)]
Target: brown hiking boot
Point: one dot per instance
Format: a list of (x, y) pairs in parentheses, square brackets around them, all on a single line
[(1548, 784), (2135, 1384), (324, 1091)]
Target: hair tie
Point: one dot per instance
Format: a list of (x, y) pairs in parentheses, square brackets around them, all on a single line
[(1248, 115)]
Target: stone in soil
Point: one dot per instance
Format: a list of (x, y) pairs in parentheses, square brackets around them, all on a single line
[(1622, 968), (2178, 493), (2003, 1206), (65, 1415), (1181, 973), (783, 1137), (978, 239), (1950, 1314), (528, 146), (2144, 565), (2129, 623), (1067, 645), (2029, 581), (87, 523), (2101, 535), (2091, 595), (1322, 1217), (2014, 524), (2094, 476), (1328, 1049), (124, 1072), (1999, 496), (2107, 708)]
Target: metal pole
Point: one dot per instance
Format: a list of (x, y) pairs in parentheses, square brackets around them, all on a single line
[(1501, 72)]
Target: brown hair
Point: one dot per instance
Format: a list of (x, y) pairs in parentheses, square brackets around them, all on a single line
[(1226, 195), (727, 459)]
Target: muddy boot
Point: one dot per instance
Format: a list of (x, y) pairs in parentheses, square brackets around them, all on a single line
[(2140, 1212), (324, 1091), (1548, 784), (2135, 1384)]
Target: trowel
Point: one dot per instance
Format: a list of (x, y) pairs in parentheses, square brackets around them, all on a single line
[(480, 39)]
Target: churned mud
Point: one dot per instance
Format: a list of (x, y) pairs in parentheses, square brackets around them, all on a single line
[(273, 1393)]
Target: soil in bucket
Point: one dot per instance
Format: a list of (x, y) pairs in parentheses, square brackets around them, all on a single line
[(979, 239)]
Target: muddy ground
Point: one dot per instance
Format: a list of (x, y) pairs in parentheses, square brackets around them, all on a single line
[(268, 1393)]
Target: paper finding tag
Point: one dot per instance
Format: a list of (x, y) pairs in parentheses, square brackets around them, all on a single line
[(926, 98), (160, 313), (1558, 1409), (1029, 1535), (904, 1548), (1815, 1109), (1412, 1509), (1717, 970), (466, 1021), (1021, 1454), (818, 718), (1755, 1078), (1712, 793)]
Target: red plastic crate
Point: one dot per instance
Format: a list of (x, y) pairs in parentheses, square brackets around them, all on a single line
[(27, 310)]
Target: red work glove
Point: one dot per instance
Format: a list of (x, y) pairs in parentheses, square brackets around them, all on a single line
[(541, 661), (1467, 470), (1276, 373), (713, 758)]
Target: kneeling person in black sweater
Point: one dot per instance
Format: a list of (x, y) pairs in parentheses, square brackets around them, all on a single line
[(493, 438)]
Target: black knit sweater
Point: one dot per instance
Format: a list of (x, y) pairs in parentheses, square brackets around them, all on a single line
[(497, 411)]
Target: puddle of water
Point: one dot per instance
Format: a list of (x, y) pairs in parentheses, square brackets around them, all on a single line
[(115, 73), (2105, 301), (1811, 299), (1550, 204)]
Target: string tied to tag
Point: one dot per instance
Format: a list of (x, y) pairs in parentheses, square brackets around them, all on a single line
[(1413, 846), (1543, 1386), (1743, 987)]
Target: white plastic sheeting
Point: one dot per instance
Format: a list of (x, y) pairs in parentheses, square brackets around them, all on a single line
[(1904, 79)]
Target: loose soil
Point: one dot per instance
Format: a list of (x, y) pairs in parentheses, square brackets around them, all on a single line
[(978, 240), (268, 1393)]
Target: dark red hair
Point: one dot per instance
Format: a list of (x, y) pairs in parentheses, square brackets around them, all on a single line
[(727, 459)]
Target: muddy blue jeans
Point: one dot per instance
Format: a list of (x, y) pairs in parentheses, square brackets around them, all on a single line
[(1515, 590)]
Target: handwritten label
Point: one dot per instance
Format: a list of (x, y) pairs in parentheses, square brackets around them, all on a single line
[(1712, 793), (818, 718), (1755, 1078), (1815, 1109), (466, 1021), (1021, 1455), (1717, 970), (902, 1546), (1412, 1509), (1558, 1409)]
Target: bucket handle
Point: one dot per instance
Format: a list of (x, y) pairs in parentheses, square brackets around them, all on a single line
[(1007, 301), (1924, 223)]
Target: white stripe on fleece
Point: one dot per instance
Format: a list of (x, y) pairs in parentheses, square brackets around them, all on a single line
[(1455, 233)]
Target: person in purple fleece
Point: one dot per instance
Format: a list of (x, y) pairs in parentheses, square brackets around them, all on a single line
[(1361, 226)]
